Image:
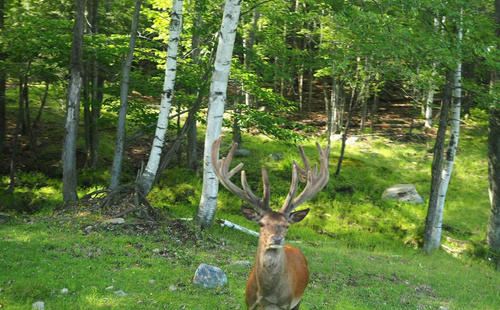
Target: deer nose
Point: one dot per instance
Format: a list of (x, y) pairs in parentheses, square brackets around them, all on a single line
[(277, 240)]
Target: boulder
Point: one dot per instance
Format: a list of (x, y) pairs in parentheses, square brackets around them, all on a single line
[(403, 192), (209, 276)]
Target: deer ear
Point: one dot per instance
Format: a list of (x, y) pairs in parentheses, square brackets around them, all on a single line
[(297, 216), (251, 214)]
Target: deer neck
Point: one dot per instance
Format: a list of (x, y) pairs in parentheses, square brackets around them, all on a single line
[(270, 267)]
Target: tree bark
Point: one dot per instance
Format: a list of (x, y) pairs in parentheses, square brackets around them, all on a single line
[(192, 131), (73, 108), (147, 178), (116, 169), (434, 240), (3, 83), (428, 107), (217, 99), (434, 215), (494, 181), (493, 237)]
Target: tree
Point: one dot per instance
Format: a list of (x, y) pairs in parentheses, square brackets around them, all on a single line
[(3, 77), (147, 178), (73, 108), (494, 160), (434, 219), (120, 129), (217, 100)]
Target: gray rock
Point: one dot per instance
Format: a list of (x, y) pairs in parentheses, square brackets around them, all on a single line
[(38, 305), (117, 220), (242, 153), (120, 293), (209, 276), (403, 192)]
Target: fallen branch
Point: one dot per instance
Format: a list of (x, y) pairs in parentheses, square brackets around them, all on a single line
[(226, 223)]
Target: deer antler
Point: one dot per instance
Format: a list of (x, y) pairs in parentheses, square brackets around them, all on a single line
[(221, 168), (315, 179)]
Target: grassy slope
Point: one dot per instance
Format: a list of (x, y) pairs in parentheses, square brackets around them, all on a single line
[(362, 251)]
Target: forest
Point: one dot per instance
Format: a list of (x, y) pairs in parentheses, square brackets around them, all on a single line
[(154, 154)]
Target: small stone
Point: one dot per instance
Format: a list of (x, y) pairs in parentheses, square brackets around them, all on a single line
[(403, 192), (172, 288), (118, 220), (152, 281), (38, 305), (64, 291), (109, 288), (209, 276), (88, 229), (120, 293), (156, 251)]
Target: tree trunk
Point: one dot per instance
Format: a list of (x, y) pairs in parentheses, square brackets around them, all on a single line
[(434, 237), (116, 169), (346, 131), (3, 82), (428, 107), (249, 43), (148, 176), (494, 181), (434, 215), (494, 163), (217, 99), (73, 108), (43, 102), (192, 131)]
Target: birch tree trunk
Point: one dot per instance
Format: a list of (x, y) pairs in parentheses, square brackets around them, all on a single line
[(433, 216), (148, 176), (217, 99), (428, 107), (73, 108), (120, 129), (494, 162), (433, 239)]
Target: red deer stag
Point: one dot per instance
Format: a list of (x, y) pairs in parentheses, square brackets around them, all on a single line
[(280, 274)]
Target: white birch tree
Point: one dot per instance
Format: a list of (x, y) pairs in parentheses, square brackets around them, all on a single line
[(434, 240), (216, 103), (120, 130), (147, 178), (73, 108)]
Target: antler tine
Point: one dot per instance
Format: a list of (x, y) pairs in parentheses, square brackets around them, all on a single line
[(221, 169), (316, 179)]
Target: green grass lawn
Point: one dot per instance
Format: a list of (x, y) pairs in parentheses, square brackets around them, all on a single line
[(363, 252)]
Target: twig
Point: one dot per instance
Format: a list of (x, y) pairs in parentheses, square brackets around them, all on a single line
[(226, 223)]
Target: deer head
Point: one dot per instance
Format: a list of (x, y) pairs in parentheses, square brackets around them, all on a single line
[(274, 224)]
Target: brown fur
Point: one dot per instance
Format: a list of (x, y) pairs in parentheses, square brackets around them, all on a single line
[(280, 275)]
